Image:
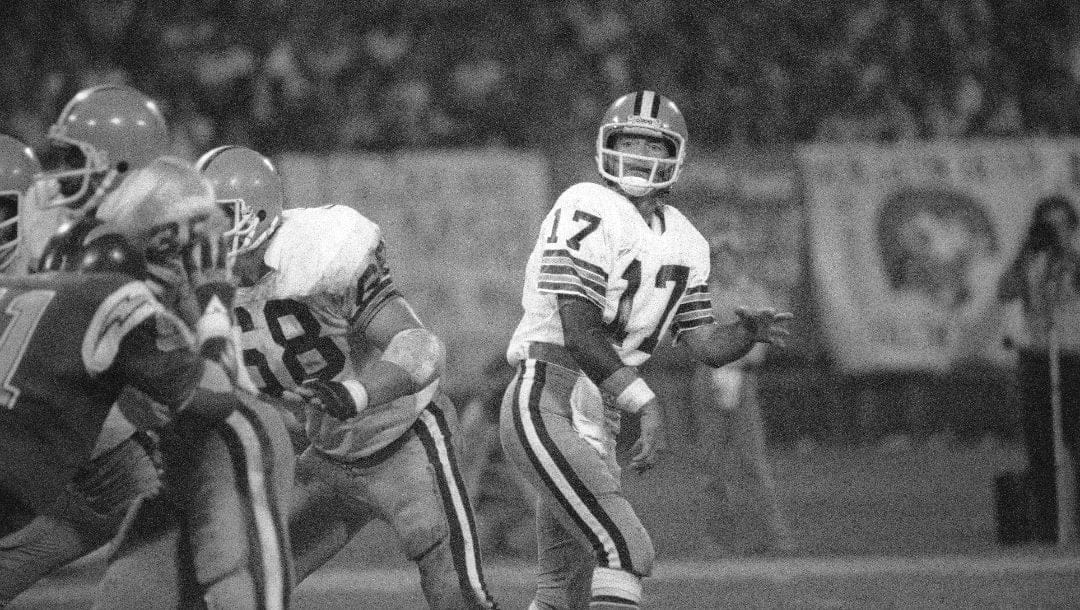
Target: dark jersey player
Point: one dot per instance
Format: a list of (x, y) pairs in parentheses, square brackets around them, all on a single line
[(72, 340)]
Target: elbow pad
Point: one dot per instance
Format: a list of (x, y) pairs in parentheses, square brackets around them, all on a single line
[(419, 353)]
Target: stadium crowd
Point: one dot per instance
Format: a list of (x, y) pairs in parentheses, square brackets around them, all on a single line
[(376, 75)]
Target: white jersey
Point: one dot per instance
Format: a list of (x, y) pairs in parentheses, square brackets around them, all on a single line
[(38, 223), (328, 280), (650, 279)]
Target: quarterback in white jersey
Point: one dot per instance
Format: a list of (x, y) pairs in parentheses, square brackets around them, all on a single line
[(322, 320), (614, 272)]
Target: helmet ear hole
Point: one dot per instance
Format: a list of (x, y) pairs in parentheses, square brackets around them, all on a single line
[(261, 215)]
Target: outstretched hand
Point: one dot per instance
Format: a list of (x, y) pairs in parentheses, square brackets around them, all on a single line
[(765, 325)]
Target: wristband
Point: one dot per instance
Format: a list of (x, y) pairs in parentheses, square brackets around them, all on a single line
[(630, 390), (340, 399), (358, 393)]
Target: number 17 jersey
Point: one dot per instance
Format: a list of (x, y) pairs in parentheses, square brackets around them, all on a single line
[(649, 278)]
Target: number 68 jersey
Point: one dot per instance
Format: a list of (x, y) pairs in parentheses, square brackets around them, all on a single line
[(328, 280), (648, 278)]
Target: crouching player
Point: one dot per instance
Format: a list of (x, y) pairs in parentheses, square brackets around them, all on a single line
[(321, 318), (76, 340), (216, 534)]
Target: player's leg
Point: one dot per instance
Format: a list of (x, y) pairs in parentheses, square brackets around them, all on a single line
[(573, 478), (455, 559), (323, 517), (145, 566), (217, 536), (35, 550), (236, 503), (564, 565), (86, 516)]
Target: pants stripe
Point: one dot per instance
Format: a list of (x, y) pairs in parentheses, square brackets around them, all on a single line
[(559, 477), (253, 469), (278, 538), (434, 433)]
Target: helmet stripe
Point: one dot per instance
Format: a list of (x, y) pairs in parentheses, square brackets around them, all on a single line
[(646, 100), (204, 161)]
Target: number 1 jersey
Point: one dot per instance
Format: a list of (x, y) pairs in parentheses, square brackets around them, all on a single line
[(329, 277), (650, 279), (69, 343)]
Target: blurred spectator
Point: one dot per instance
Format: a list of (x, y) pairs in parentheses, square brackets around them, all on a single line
[(1045, 277), (741, 487), (502, 498), (325, 76)]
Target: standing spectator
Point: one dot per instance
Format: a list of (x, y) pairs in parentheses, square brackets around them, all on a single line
[(731, 435), (1045, 277)]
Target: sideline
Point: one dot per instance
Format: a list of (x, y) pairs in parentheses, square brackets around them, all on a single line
[(72, 588)]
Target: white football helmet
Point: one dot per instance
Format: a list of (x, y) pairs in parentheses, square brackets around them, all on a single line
[(249, 189), (642, 113)]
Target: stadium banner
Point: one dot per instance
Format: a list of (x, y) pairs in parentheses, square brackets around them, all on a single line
[(907, 243), (458, 226)]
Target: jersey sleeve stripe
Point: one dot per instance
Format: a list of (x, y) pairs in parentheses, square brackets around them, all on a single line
[(688, 317), (373, 304), (691, 306), (123, 310), (553, 256), (373, 292), (699, 289), (570, 288), (557, 272), (682, 326), (574, 266)]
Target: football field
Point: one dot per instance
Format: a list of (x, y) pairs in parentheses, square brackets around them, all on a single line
[(895, 526), (1020, 580)]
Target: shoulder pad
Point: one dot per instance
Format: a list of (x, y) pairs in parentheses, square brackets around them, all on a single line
[(337, 243), (679, 222), (595, 197)]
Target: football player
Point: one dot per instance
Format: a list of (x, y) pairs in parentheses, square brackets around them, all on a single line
[(216, 534), (75, 340), (102, 133), (321, 319), (18, 167), (615, 270)]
